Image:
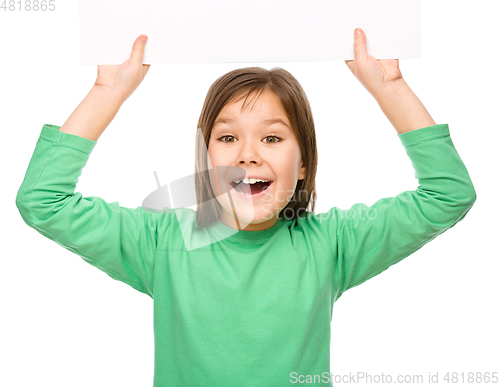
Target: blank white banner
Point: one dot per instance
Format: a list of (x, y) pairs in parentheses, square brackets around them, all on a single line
[(243, 31)]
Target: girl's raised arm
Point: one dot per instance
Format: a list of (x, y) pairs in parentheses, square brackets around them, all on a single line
[(368, 240), (119, 241)]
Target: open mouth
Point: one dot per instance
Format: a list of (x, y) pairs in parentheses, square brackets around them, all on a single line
[(251, 189)]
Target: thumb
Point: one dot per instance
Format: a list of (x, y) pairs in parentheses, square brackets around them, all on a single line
[(360, 51), (138, 50)]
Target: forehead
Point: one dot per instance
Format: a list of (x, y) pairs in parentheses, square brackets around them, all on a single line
[(266, 108), (228, 120)]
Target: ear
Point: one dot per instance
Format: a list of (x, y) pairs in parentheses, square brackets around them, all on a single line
[(302, 173)]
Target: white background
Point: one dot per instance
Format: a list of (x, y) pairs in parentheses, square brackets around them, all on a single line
[(65, 323)]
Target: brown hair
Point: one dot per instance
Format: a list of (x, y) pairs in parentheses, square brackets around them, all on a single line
[(232, 87)]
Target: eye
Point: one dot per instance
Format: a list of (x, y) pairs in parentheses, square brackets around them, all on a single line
[(274, 141), (226, 135), (272, 136)]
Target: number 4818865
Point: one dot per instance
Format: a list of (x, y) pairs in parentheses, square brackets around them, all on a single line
[(29, 5)]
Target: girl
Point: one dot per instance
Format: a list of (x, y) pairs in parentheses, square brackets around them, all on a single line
[(251, 303)]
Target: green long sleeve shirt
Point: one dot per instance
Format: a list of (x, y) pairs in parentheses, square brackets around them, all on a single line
[(253, 308)]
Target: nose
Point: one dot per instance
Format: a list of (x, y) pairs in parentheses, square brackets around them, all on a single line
[(248, 154)]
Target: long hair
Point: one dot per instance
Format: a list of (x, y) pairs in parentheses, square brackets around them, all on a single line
[(239, 84)]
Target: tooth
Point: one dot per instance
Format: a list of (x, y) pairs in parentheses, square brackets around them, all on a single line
[(250, 181)]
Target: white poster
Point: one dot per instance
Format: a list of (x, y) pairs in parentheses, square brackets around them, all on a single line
[(243, 31)]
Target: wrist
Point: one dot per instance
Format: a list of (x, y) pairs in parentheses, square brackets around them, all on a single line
[(403, 108), (108, 96), (390, 89)]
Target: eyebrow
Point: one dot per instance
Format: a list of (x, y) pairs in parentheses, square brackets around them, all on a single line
[(270, 121)]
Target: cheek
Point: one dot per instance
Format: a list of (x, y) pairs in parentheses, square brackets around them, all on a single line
[(214, 159)]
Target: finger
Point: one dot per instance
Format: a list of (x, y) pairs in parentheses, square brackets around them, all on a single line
[(350, 64), (145, 69), (360, 51), (138, 51)]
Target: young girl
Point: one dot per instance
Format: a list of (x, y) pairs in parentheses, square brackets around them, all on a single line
[(253, 307)]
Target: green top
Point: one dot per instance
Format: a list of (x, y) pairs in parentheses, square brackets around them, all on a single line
[(252, 308)]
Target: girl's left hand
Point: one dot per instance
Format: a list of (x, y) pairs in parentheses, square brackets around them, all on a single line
[(379, 77)]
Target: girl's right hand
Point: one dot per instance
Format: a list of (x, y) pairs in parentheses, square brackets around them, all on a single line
[(124, 79)]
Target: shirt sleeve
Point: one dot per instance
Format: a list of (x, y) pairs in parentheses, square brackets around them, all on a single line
[(371, 239), (119, 241)]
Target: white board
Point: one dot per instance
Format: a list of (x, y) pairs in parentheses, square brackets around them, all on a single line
[(243, 31)]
